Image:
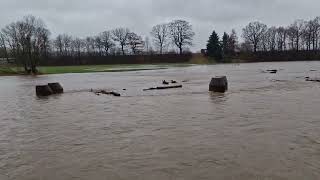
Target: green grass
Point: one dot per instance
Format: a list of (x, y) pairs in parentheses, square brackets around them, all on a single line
[(10, 70), (13, 70), (104, 68)]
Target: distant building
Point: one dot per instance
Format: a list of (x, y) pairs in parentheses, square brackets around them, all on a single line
[(204, 51)]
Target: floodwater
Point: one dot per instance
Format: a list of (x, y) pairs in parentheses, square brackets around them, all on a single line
[(266, 127)]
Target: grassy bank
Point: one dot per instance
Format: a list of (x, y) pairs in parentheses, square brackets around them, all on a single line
[(11, 70), (195, 59)]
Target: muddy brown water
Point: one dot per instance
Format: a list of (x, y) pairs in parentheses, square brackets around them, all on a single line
[(266, 127)]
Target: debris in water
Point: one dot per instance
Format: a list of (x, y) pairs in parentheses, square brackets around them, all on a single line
[(43, 90), (272, 71), (312, 80), (163, 87), (49, 89), (165, 82), (107, 93), (56, 88)]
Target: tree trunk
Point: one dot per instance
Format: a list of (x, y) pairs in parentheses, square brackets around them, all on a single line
[(255, 48), (297, 45), (107, 51), (122, 48)]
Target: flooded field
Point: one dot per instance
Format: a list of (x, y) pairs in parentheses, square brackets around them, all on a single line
[(266, 127)]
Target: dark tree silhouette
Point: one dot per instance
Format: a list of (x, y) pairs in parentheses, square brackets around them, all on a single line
[(181, 34), (160, 34), (106, 39), (214, 47), (28, 40), (253, 33), (121, 36), (135, 42)]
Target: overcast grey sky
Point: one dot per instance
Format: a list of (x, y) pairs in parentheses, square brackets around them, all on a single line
[(89, 17)]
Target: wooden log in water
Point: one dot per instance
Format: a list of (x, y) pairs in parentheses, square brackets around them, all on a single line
[(163, 87), (219, 84), (56, 88), (43, 90), (107, 93), (313, 80), (115, 94), (272, 71)]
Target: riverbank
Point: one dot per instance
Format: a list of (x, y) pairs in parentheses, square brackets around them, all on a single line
[(13, 70)]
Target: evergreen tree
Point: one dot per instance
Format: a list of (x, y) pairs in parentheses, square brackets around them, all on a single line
[(214, 47), (225, 44)]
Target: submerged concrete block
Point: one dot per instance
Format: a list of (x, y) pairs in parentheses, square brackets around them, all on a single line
[(219, 84), (43, 90), (56, 88)]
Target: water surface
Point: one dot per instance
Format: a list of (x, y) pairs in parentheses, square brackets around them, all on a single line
[(267, 126)]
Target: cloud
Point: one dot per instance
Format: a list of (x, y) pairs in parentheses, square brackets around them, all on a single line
[(82, 17)]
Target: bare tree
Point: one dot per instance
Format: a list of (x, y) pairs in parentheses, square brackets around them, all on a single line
[(315, 34), (4, 47), (181, 34), (160, 34), (98, 44), (78, 45), (121, 35), (281, 38), (307, 34), (28, 39), (10, 34), (271, 36), (59, 44), (296, 30), (90, 45), (253, 33), (106, 40), (135, 42), (66, 41)]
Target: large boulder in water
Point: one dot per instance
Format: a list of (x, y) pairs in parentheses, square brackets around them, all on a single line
[(43, 90), (56, 88), (219, 84)]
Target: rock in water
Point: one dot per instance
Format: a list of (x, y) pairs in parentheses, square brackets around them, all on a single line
[(115, 94), (56, 88), (219, 84), (165, 82), (44, 90), (272, 71)]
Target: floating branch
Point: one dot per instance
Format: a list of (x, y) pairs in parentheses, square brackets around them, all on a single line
[(106, 92), (163, 87)]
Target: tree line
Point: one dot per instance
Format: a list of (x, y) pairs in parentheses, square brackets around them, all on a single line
[(299, 37), (29, 41)]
